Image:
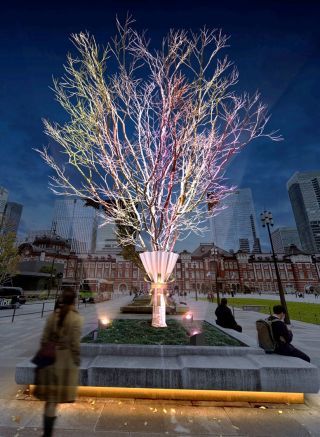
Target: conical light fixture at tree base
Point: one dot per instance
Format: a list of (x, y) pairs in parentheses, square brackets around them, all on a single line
[(159, 266)]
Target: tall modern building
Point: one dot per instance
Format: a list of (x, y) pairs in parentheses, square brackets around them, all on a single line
[(77, 223), (304, 194), (106, 242), (3, 202), (235, 227), (11, 217), (283, 238)]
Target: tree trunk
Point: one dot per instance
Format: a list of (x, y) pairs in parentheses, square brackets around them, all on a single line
[(159, 266), (159, 305)]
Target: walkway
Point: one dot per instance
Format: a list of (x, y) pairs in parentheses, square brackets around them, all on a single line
[(21, 416)]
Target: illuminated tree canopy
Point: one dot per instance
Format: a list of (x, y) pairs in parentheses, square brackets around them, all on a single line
[(150, 132)]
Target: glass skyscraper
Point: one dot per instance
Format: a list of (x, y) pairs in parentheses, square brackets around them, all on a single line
[(12, 216), (3, 202), (283, 238), (304, 194), (235, 227), (106, 241), (77, 223)]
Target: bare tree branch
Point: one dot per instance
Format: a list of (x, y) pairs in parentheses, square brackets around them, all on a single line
[(151, 130)]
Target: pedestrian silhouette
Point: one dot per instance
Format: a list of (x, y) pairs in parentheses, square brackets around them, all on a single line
[(57, 382)]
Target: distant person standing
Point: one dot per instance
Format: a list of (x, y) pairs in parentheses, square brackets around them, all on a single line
[(283, 336), (58, 382), (225, 317)]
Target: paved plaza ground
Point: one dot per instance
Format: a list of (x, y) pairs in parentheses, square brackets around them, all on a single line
[(21, 416)]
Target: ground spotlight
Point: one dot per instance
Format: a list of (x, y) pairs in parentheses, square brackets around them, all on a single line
[(197, 338), (104, 323), (188, 317), (194, 332)]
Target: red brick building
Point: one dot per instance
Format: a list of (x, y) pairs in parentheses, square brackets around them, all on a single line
[(202, 271)]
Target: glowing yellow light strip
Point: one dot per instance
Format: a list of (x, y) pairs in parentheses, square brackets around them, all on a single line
[(190, 395)]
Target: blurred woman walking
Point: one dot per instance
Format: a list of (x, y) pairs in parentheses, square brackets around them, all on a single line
[(58, 382)]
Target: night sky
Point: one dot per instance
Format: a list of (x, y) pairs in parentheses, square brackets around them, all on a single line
[(275, 45)]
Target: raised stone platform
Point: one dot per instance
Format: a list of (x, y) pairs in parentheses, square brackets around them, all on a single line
[(188, 367), (142, 305)]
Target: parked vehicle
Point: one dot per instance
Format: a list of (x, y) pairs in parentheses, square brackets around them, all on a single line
[(11, 297), (95, 290)]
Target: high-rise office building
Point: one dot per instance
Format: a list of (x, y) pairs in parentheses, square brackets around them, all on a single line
[(3, 202), (77, 223), (304, 194), (283, 238), (234, 227), (106, 242), (11, 217)]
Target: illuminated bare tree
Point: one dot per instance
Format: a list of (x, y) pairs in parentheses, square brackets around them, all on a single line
[(150, 132), (153, 131)]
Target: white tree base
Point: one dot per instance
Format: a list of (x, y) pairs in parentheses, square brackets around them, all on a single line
[(159, 306), (159, 266)]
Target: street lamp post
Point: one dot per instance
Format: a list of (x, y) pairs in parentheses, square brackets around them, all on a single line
[(215, 254), (267, 221), (59, 277), (195, 280), (55, 255), (51, 276)]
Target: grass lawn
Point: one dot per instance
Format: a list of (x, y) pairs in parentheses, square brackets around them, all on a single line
[(135, 331), (306, 312)]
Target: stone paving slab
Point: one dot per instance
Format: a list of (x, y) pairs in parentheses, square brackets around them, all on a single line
[(79, 416), (309, 419), (16, 414), (28, 432), (179, 420), (36, 432), (129, 418), (275, 423)]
